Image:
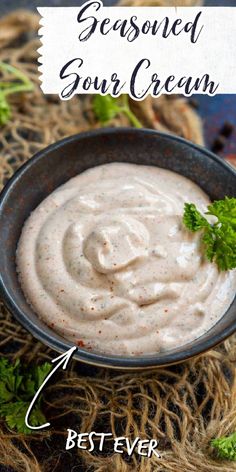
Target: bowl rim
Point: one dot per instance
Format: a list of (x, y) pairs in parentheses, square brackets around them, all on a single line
[(92, 357)]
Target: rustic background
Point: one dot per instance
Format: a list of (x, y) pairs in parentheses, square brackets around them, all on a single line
[(214, 112), (183, 406)]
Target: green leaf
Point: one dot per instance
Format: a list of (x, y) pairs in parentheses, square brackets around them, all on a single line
[(5, 110), (20, 83), (18, 385), (219, 238), (225, 447), (28, 388), (225, 247), (105, 108), (15, 412), (41, 372), (193, 219), (5, 394), (10, 376)]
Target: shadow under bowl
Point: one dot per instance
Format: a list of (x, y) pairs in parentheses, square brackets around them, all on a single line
[(56, 164)]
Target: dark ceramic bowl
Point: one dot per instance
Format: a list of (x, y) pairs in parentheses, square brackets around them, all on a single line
[(55, 165)]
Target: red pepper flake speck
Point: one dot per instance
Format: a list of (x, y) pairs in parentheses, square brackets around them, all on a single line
[(80, 343)]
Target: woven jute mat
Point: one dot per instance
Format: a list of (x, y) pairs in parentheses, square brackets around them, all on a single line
[(183, 406)]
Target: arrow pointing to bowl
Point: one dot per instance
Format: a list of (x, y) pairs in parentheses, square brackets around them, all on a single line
[(64, 360)]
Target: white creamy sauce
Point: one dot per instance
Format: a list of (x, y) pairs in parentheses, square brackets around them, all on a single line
[(106, 261)]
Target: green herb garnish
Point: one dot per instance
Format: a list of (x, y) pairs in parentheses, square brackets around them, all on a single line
[(225, 447), (20, 84), (107, 107), (18, 385), (218, 238)]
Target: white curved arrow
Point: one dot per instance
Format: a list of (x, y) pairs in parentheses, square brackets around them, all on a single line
[(63, 362)]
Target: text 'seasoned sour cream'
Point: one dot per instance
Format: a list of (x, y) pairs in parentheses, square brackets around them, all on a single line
[(106, 261)]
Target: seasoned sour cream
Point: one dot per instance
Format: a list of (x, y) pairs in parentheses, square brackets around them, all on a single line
[(106, 261)]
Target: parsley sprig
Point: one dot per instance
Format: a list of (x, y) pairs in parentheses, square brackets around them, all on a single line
[(106, 108), (225, 447), (21, 83), (18, 385), (218, 238)]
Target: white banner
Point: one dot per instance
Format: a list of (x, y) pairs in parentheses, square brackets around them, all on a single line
[(137, 50)]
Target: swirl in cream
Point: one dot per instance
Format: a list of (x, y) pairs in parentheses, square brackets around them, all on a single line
[(106, 262)]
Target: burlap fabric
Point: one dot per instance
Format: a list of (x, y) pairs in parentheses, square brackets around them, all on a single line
[(183, 406)]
